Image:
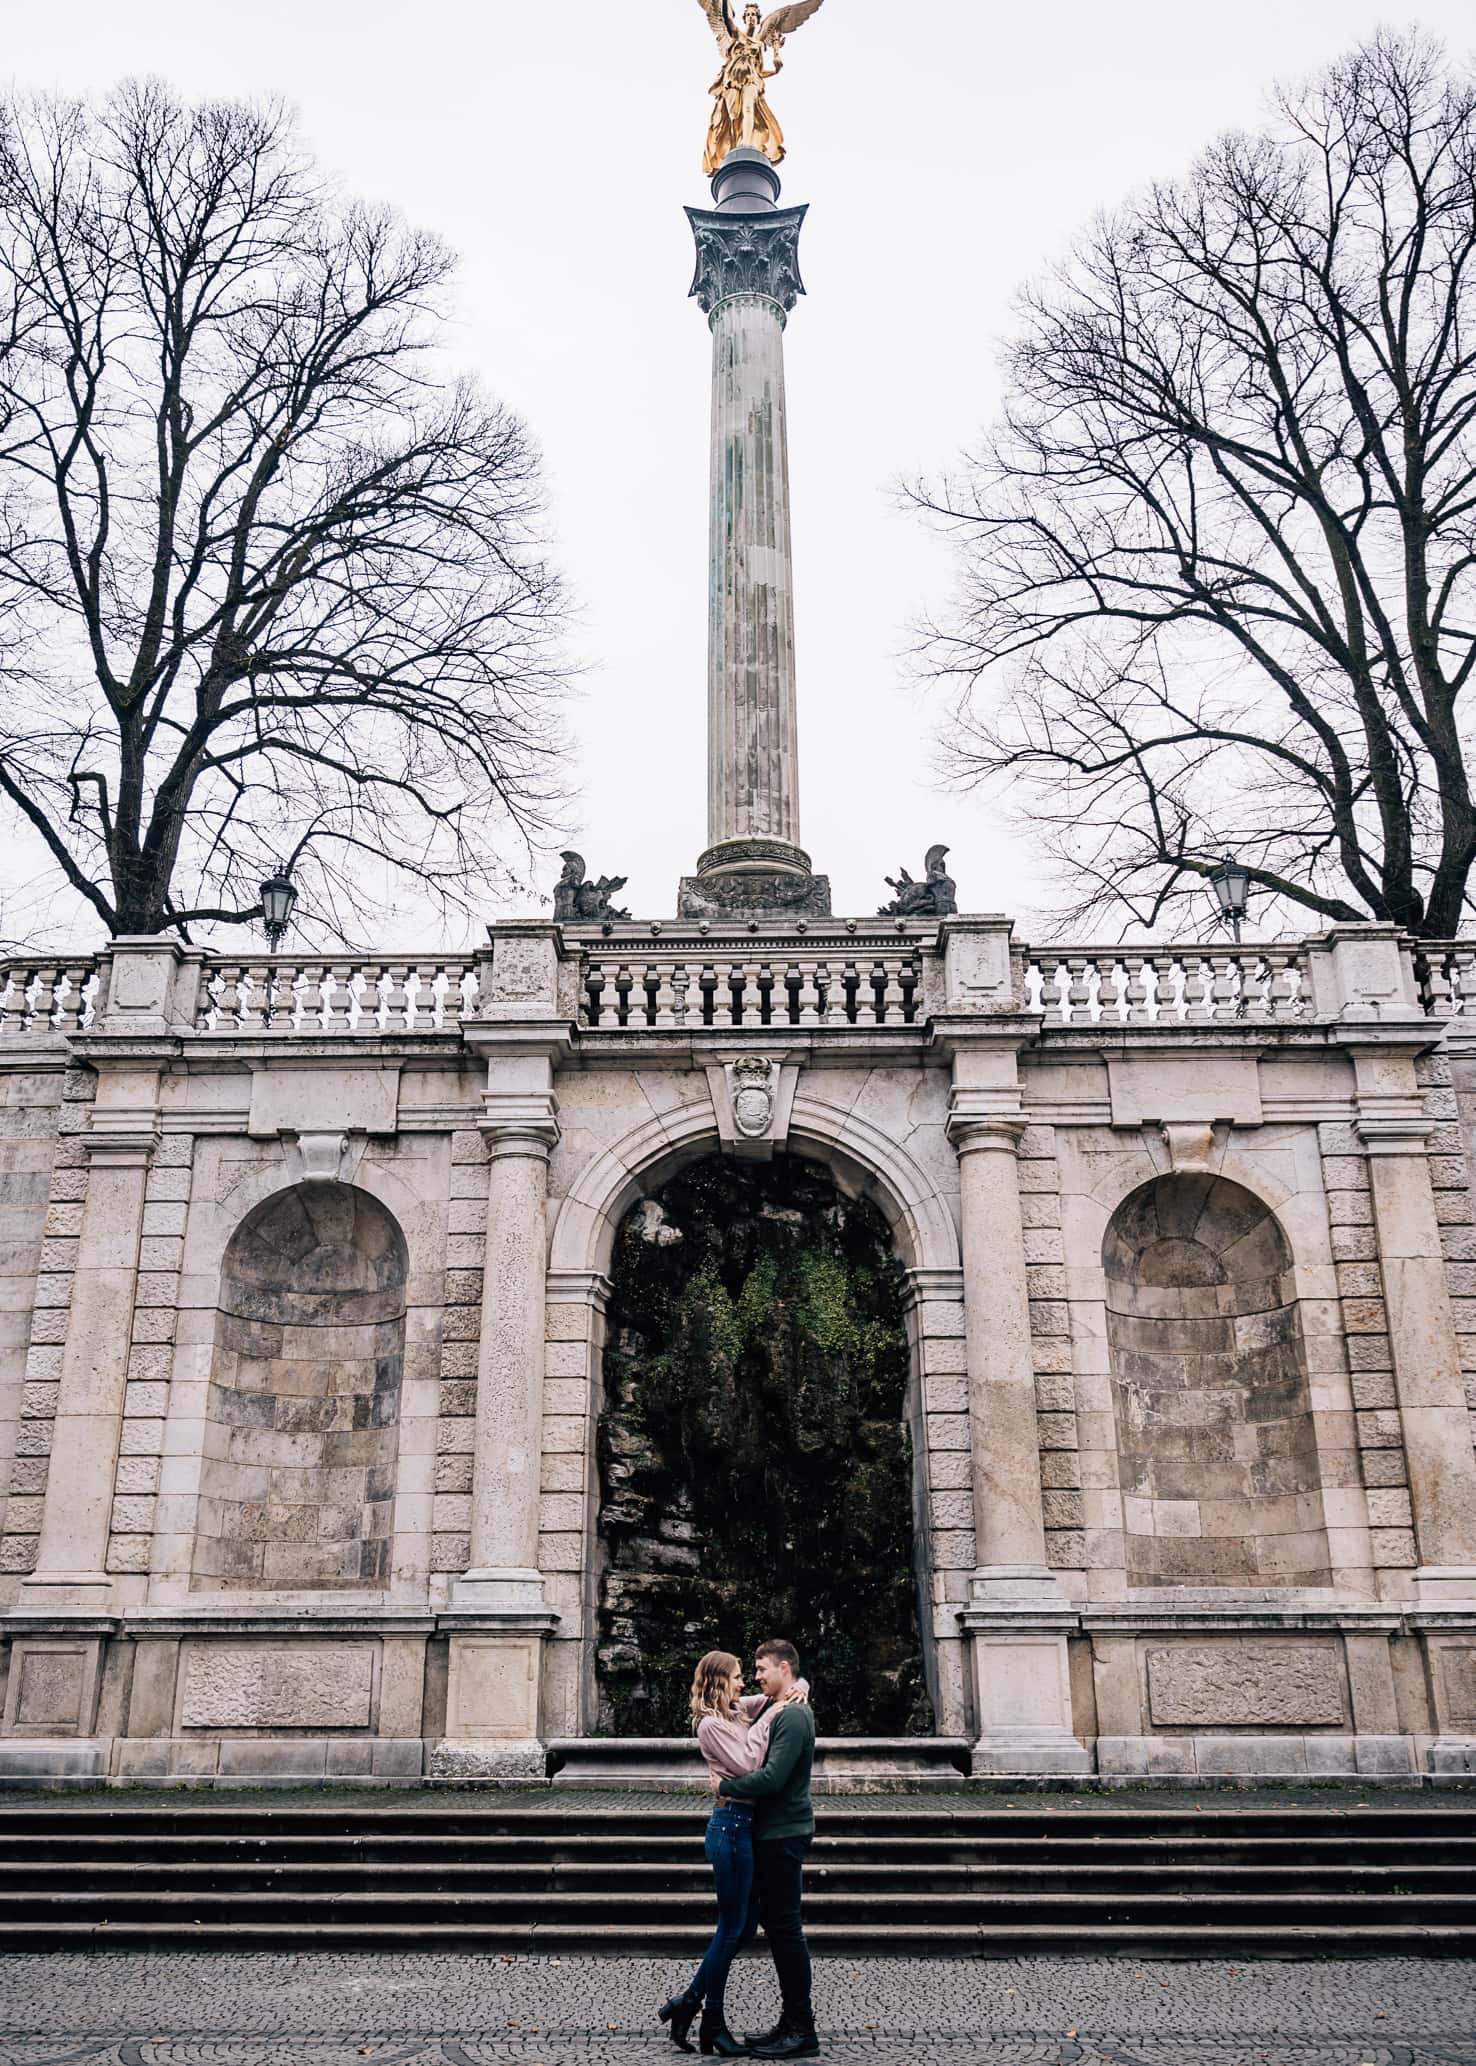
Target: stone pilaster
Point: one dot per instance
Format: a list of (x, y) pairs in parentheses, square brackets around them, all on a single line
[(1362, 978), (149, 998), (498, 1616), (1018, 1614)]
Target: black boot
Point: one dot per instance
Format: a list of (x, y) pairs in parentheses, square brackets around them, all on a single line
[(715, 2036), (754, 2038), (679, 2014), (794, 2039)]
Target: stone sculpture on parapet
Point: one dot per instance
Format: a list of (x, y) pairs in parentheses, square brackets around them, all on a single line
[(742, 118), (936, 896), (580, 902)]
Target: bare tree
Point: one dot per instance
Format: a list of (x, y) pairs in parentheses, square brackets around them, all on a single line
[(1220, 559), (271, 585)]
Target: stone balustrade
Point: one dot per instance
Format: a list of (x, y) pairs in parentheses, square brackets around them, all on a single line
[(866, 983), (1167, 986), (875, 978), (286, 994), (47, 996), (1445, 976)]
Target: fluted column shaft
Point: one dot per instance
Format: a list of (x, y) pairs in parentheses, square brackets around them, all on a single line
[(753, 736)]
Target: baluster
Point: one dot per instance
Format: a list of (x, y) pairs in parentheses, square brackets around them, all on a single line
[(397, 998), (315, 978), (1111, 992), (372, 980), (644, 979), (591, 1010), (809, 998), (1079, 991), (343, 1001), (686, 1010), (1163, 1003), (911, 990), (1135, 990), (1224, 987), (281, 998), (69, 999), (43, 1000), (1196, 989), (666, 999), (893, 1013), (11, 995), (424, 1014), (1458, 967), (1051, 993), (1280, 986), (749, 1007), (220, 999)]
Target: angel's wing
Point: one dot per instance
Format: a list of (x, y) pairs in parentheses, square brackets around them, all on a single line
[(783, 21), (722, 22)]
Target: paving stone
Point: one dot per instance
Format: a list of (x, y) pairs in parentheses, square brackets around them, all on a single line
[(442, 2009)]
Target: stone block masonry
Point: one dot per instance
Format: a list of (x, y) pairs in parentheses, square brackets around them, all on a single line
[(1189, 1396)]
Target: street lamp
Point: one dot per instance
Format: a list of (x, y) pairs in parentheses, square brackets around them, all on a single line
[(1231, 885), (278, 895)]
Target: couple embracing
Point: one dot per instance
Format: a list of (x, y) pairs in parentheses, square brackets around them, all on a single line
[(759, 1751)]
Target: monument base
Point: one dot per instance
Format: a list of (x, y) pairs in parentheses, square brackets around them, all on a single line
[(720, 897)]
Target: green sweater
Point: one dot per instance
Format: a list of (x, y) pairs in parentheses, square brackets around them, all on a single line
[(780, 1788)]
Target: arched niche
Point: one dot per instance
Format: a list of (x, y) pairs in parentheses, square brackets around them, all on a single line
[(1217, 1450), (302, 1428)]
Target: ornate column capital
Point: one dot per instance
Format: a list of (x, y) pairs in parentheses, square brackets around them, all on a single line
[(753, 254)]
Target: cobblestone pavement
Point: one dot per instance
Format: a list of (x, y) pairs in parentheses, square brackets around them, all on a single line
[(438, 2009)]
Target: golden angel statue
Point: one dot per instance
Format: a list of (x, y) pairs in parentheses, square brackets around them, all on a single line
[(742, 114)]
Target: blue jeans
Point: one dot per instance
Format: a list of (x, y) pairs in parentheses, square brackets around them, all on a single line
[(729, 1850)]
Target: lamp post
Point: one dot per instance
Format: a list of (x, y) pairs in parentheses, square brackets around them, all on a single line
[(278, 896), (1231, 885)]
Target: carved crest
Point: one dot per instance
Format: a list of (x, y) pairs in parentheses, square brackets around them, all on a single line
[(753, 1097)]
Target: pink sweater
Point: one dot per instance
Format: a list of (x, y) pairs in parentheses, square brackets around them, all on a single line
[(740, 1744)]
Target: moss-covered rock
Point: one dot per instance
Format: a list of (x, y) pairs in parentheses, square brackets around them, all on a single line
[(756, 1469)]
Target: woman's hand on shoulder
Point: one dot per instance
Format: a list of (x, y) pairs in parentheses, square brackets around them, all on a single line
[(799, 1693)]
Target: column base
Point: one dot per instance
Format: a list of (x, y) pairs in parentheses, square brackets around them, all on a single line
[(1015, 1586), (779, 894), (72, 1592), (494, 1591)]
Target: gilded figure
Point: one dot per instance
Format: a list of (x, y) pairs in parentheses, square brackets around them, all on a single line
[(741, 114)]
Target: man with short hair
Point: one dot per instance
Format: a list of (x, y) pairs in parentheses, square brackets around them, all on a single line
[(784, 1829)]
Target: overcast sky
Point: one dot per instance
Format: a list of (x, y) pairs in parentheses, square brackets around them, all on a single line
[(948, 148)]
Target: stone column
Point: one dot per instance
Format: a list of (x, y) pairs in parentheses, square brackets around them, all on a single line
[(747, 283), (1018, 1614), (149, 999)]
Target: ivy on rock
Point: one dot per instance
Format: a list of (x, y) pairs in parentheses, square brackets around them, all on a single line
[(756, 1466)]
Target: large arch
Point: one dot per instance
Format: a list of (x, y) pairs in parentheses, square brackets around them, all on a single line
[(860, 1157), (862, 1160)]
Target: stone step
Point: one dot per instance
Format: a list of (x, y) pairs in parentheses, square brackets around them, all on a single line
[(843, 1764), (1293, 1882)]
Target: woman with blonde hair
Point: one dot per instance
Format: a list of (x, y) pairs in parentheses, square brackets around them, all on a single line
[(733, 1735)]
